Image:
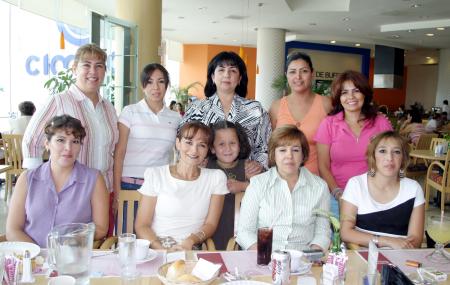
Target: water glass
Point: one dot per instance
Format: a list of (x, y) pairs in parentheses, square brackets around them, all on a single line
[(127, 254)]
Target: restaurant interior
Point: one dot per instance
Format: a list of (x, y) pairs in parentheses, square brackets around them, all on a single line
[(401, 46)]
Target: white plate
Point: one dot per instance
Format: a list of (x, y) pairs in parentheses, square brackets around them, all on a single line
[(19, 247), (150, 256), (245, 282)]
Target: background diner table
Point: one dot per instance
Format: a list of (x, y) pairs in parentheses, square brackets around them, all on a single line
[(426, 154), (246, 260)]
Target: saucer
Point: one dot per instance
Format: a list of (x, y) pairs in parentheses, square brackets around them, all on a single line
[(150, 256)]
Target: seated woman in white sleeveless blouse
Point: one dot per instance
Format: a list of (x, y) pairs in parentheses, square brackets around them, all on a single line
[(181, 204)]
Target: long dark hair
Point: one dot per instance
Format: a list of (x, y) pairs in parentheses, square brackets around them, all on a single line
[(360, 81), (244, 145), (227, 58)]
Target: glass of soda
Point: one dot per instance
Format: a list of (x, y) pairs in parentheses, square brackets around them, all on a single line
[(265, 236)]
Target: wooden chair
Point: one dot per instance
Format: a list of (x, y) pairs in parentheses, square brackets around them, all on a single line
[(13, 158), (128, 202), (437, 141), (232, 244), (439, 179), (3, 167)]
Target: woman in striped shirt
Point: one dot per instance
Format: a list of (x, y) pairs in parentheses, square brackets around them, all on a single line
[(286, 197)]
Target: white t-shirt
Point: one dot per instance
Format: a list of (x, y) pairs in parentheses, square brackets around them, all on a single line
[(151, 137), (182, 206), (388, 219)]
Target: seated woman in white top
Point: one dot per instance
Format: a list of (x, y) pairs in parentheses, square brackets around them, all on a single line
[(382, 206), (286, 197), (181, 204)]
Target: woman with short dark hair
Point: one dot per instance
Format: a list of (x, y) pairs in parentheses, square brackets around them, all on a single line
[(59, 191)]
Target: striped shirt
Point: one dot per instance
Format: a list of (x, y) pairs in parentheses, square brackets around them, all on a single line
[(99, 122), (268, 201), (248, 113), (151, 137)]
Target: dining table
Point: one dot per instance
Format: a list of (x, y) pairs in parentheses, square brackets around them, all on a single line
[(105, 268), (427, 154)]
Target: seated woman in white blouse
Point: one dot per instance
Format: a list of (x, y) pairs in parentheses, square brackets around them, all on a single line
[(181, 204), (382, 206), (285, 197)]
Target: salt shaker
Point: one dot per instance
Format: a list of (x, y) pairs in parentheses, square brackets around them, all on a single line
[(27, 273)]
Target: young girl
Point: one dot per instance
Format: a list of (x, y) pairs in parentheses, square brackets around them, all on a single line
[(229, 151)]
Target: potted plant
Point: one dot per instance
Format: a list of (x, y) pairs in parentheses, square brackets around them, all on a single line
[(60, 82), (182, 93), (280, 85)]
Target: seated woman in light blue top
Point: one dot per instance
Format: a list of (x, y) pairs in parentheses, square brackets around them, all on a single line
[(60, 191), (286, 197)]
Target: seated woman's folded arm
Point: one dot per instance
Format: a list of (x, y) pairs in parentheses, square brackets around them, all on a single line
[(15, 221), (100, 208), (144, 218), (321, 239), (209, 226), (248, 218)]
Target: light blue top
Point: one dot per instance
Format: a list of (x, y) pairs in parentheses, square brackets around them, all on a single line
[(297, 227), (45, 208)]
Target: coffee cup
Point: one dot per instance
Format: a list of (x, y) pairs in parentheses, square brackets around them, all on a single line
[(142, 246)]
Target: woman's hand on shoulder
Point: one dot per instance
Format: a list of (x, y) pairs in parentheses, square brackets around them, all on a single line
[(252, 168), (235, 186)]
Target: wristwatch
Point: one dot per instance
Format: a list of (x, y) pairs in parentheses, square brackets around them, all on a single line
[(375, 239)]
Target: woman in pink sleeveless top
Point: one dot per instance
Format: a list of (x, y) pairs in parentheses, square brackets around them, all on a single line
[(302, 107)]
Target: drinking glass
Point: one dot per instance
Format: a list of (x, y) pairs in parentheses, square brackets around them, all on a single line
[(438, 228), (264, 245), (127, 254)]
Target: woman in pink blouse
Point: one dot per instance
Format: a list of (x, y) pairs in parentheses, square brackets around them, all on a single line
[(344, 135)]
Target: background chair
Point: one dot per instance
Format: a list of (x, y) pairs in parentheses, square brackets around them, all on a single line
[(438, 178), (128, 202), (13, 158)]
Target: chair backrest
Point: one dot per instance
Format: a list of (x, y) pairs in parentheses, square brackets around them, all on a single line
[(13, 150), (128, 202), (424, 141), (437, 141)]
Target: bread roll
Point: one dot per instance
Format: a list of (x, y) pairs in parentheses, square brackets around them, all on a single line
[(175, 270), (188, 278)]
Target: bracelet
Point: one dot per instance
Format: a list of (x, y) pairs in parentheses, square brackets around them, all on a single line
[(337, 191), (200, 235)]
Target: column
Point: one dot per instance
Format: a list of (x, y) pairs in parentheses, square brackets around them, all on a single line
[(146, 14), (270, 57), (443, 83)]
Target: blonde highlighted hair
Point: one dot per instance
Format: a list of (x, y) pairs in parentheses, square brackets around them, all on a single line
[(385, 136)]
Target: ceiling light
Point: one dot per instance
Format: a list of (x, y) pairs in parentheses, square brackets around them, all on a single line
[(440, 28), (346, 19), (349, 29), (429, 35), (395, 36), (357, 45), (234, 40), (428, 57), (416, 5), (333, 41)]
